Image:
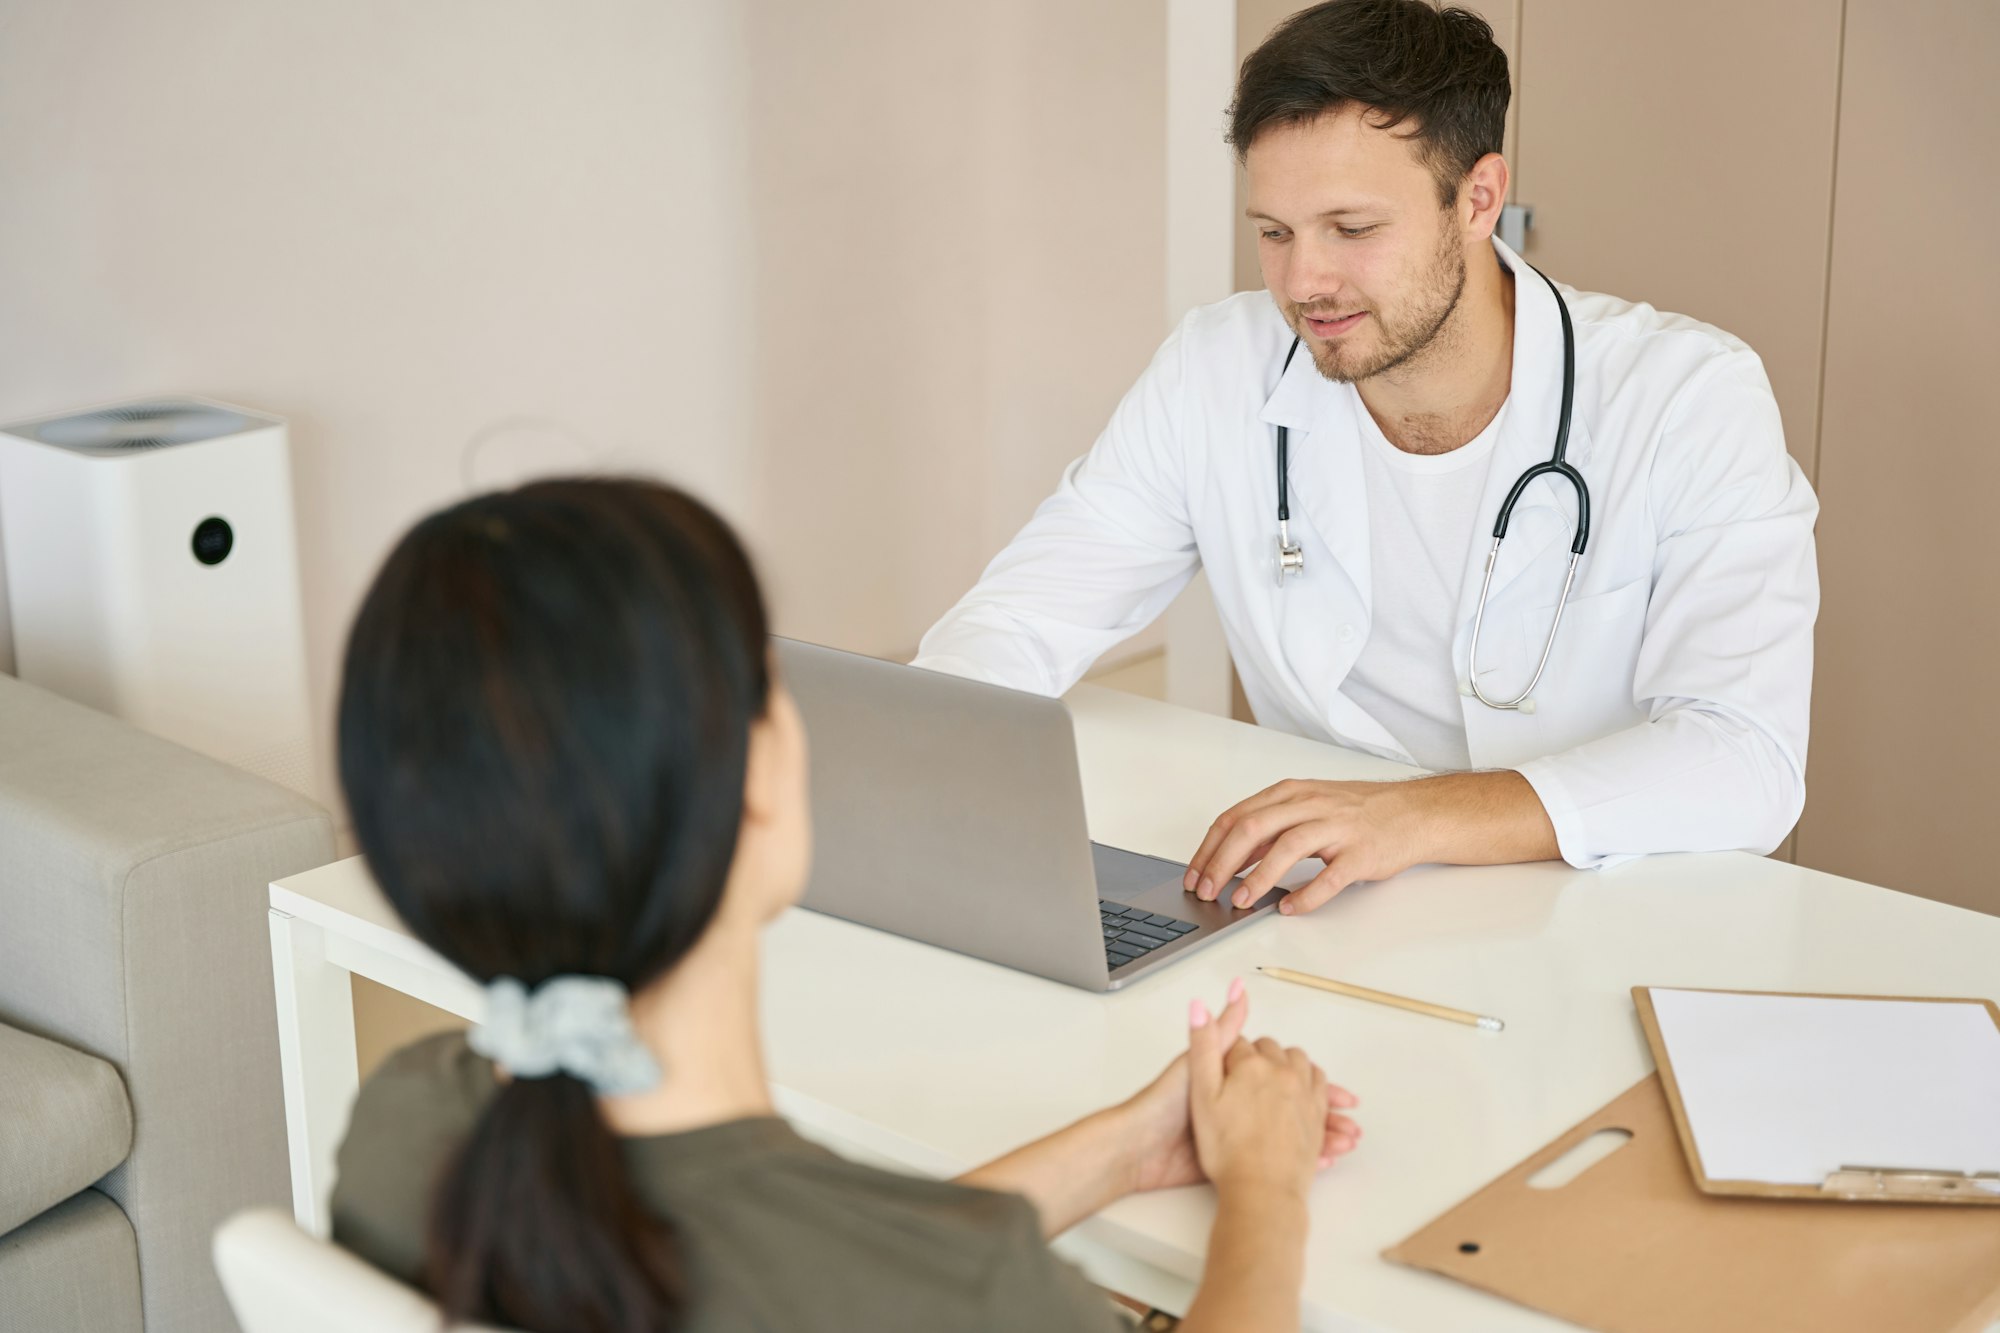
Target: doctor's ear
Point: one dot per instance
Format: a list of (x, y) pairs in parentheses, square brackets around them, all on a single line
[(1483, 195)]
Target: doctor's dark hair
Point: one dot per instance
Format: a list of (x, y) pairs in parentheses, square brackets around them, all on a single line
[(544, 729), (1439, 69)]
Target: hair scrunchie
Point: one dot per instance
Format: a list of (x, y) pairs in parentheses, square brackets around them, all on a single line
[(580, 1026)]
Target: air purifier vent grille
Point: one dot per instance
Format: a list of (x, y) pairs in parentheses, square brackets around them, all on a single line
[(131, 427)]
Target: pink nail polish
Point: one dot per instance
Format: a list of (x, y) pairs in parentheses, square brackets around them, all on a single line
[(1197, 1014), (1235, 989)]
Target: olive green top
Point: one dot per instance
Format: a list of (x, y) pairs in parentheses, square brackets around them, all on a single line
[(776, 1233)]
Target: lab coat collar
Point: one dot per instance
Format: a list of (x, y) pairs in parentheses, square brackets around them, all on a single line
[(1303, 395), (1329, 495), (1328, 488)]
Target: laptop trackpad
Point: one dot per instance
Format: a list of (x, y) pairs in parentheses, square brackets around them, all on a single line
[(1154, 883)]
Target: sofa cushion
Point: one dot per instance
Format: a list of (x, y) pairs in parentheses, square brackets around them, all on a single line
[(74, 1268), (64, 1121)]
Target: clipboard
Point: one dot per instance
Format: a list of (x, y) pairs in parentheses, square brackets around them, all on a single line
[(1631, 1246), (1851, 1182)]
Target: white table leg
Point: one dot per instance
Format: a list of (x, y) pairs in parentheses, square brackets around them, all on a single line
[(316, 1053)]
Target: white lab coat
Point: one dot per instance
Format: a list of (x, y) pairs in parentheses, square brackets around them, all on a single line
[(1673, 715)]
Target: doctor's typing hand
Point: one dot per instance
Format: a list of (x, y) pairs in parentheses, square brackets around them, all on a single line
[(1368, 831)]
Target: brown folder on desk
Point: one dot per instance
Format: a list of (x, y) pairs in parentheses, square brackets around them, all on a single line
[(1632, 1246)]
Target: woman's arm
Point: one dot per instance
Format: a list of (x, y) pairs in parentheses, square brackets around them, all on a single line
[(1074, 1172), (1146, 1142), (1259, 1113), (1256, 1263)]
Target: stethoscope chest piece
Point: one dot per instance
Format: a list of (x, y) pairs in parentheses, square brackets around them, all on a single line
[(1291, 556)]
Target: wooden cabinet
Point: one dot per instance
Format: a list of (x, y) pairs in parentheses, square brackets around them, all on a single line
[(1906, 723), (1682, 155), (1817, 177)]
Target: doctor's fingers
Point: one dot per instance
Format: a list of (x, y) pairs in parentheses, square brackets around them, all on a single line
[(1276, 794), (1241, 841), (1294, 845), (1208, 886), (1242, 844), (1339, 873)]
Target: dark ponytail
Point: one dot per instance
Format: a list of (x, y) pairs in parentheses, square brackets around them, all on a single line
[(535, 1223), (544, 727)]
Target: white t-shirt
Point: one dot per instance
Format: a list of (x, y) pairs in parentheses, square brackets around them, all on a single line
[(1423, 516)]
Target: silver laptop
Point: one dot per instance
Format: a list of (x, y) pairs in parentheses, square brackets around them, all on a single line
[(951, 811)]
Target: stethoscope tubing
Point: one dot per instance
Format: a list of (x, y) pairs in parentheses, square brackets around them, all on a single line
[(1291, 557)]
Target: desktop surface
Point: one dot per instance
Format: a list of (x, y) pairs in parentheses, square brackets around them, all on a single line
[(932, 1061)]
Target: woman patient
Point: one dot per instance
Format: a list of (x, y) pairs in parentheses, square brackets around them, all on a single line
[(574, 774)]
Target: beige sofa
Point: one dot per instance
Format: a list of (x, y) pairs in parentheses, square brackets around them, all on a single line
[(139, 1092)]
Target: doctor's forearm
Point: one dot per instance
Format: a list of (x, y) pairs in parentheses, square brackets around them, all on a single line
[(1478, 819)]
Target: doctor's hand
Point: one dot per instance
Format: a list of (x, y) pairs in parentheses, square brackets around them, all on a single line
[(1368, 831)]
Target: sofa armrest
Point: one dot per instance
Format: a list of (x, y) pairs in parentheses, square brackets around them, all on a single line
[(134, 875)]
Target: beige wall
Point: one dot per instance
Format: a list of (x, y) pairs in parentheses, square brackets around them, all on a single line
[(863, 274), (957, 215), (396, 225)]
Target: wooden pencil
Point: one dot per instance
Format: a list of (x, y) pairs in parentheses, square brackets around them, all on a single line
[(1383, 997)]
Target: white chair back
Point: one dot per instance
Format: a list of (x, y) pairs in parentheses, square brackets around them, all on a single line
[(280, 1280)]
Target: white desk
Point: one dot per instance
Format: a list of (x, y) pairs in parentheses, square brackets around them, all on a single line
[(903, 1054)]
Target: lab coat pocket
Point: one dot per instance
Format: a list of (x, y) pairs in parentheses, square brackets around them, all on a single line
[(1587, 690)]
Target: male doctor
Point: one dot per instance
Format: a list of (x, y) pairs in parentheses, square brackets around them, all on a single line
[(1428, 376)]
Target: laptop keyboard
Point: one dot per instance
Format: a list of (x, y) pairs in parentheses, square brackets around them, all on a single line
[(1131, 933)]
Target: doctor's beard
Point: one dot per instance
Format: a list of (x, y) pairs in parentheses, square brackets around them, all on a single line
[(1402, 335)]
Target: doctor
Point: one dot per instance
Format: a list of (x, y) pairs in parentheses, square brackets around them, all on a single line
[(1427, 376)]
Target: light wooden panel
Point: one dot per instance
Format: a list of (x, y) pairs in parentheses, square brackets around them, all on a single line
[(1682, 154), (1901, 785)]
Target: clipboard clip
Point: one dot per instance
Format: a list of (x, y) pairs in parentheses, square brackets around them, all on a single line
[(1887, 1182)]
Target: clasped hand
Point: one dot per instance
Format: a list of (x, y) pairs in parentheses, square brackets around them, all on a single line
[(1235, 1111)]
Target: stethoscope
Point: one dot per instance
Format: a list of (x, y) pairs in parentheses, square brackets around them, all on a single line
[(1292, 557)]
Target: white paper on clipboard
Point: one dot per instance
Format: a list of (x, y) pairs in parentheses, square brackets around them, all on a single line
[(1787, 1089)]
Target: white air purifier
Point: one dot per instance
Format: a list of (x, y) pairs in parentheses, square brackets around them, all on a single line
[(152, 571)]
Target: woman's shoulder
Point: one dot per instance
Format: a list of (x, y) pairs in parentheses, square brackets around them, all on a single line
[(778, 1230), (764, 1166), (439, 1082), (411, 1116), (872, 1244)]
